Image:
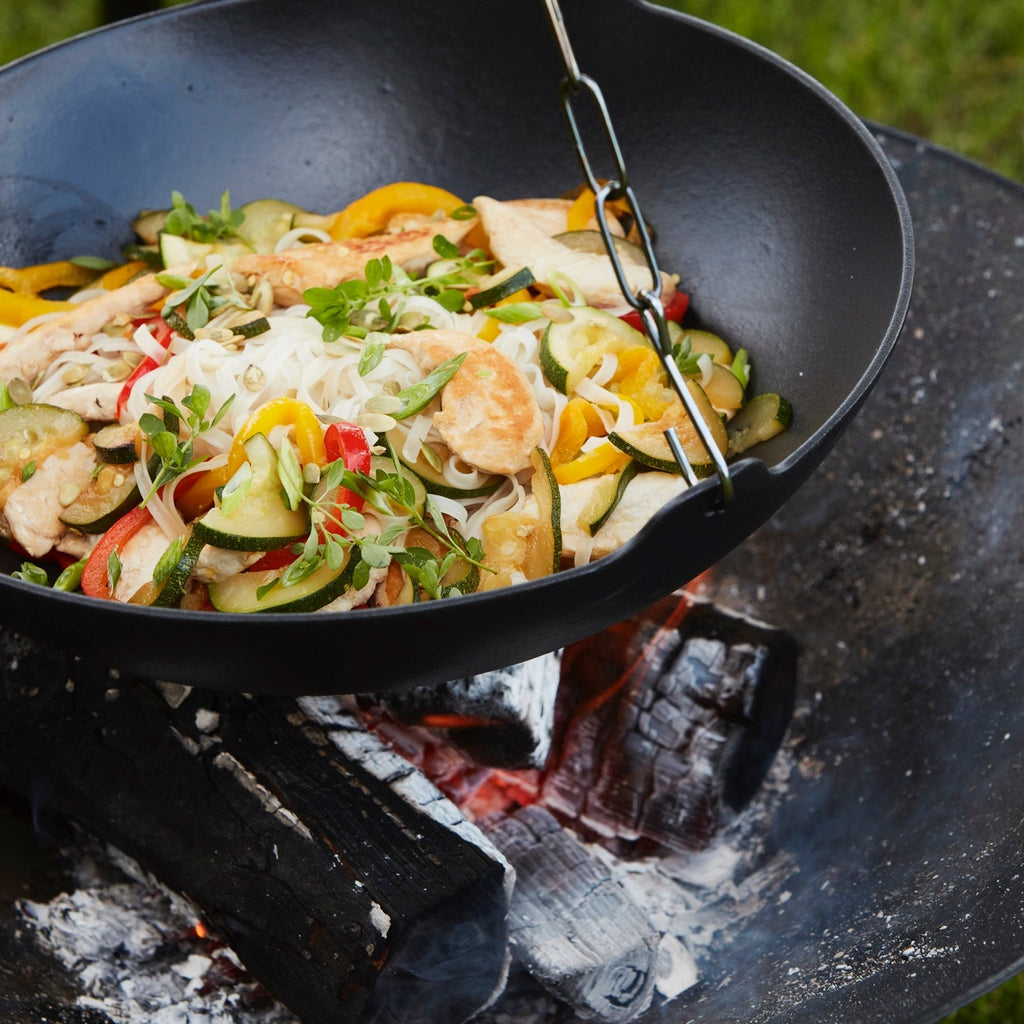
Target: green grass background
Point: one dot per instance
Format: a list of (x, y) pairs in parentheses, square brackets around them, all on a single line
[(951, 71)]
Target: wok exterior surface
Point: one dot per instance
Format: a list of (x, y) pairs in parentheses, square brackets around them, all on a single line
[(768, 197)]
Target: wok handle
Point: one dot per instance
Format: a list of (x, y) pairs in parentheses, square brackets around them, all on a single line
[(647, 302)]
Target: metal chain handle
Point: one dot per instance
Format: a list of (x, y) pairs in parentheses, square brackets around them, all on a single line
[(646, 302)]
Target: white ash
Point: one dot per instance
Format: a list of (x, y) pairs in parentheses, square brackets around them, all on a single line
[(132, 947), (270, 802)]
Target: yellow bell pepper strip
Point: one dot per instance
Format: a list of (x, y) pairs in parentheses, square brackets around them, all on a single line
[(605, 458), (36, 279), (579, 420), (18, 307), (309, 438), (371, 213)]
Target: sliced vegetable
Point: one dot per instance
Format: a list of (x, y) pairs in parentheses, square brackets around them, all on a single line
[(502, 289), (347, 442), (647, 444), (170, 591), (593, 242), (462, 576), (17, 308), (42, 276), (176, 250), (162, 334), (675, 309), (371, 213), (118, 443), (262, 520), (760, 419), (570, 350), (267, 221), (265, 591), (96, 574), (546, 556), (703, 341), (110, 494), (607, 495), (31, 433)]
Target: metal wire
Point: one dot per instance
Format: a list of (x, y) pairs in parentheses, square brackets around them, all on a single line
[(646, 302)]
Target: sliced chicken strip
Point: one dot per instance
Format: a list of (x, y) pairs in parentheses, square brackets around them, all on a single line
[(139, 556), (34, 507), (552, 215), (489, 414), (28, 354), (517, 241), (95, 402), (325, 264)]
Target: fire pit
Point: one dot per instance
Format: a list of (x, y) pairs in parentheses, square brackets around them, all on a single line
[(874, 875)]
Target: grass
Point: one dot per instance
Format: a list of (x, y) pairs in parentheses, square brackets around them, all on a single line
[(949, 70)]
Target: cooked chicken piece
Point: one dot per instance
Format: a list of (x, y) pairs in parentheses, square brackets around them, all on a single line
[(33, 508), (77, 545), (355, 598), (489, 414), (552, 215), (91, 401), (28, 354), (139, 556), (216, 564), (325, 264), (519, 242), (646, 493)]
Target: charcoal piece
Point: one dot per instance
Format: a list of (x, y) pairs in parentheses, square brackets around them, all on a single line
[(572, 924), (500, 719), (330, 884), (682, 736)]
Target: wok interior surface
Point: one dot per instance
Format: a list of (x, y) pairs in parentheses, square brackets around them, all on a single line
[(767, 197)]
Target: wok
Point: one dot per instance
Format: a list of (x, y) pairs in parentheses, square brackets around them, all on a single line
[(768, 197)]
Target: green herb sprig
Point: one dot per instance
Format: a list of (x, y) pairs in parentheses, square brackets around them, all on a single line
[(217, 225), (342, 310)]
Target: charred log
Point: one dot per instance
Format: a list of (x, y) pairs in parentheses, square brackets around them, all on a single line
[(326, 879), (669, 723), (500, 719), (572, 924)]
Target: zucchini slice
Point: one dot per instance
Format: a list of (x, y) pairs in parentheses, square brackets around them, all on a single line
[(593, 242), (118, 443), (245, 592), (546, 556), (110, 494), (32, 432), (383, 464), (169, 593), (607, 495), (463, 576), (702, 341), (175, 250), (570, 350), (267, 221), (647, 444), (761, 418), (502, 289), (262, 521)]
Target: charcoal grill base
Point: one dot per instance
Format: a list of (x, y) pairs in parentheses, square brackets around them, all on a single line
[(889, 856)]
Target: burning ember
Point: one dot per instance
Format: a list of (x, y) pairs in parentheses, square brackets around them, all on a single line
[(491, 848)]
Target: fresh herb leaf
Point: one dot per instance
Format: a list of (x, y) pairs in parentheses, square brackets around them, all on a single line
[(266, 588), (418, 396), (217, 225), (445, 248)]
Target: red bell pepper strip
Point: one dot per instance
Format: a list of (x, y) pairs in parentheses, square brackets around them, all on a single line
[(95, 579), (674, 310), (347, 442), (161, 332)]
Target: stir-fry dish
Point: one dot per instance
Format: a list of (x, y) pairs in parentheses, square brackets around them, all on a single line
[(415, 398)]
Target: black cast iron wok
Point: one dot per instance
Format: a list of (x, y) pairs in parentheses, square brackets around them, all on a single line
[(768, 197)]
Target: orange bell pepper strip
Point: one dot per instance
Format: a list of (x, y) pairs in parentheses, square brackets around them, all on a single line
[(36, 279), (309, 438), (579, 420), (584, 210), (18, 307), (371, 213), (117, 276), (641, 378), (605, 458)]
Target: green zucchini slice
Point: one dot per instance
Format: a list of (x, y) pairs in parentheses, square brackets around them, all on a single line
[(257, 592), (502, 289), (262, 521), (570, 350), (760, 419)]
